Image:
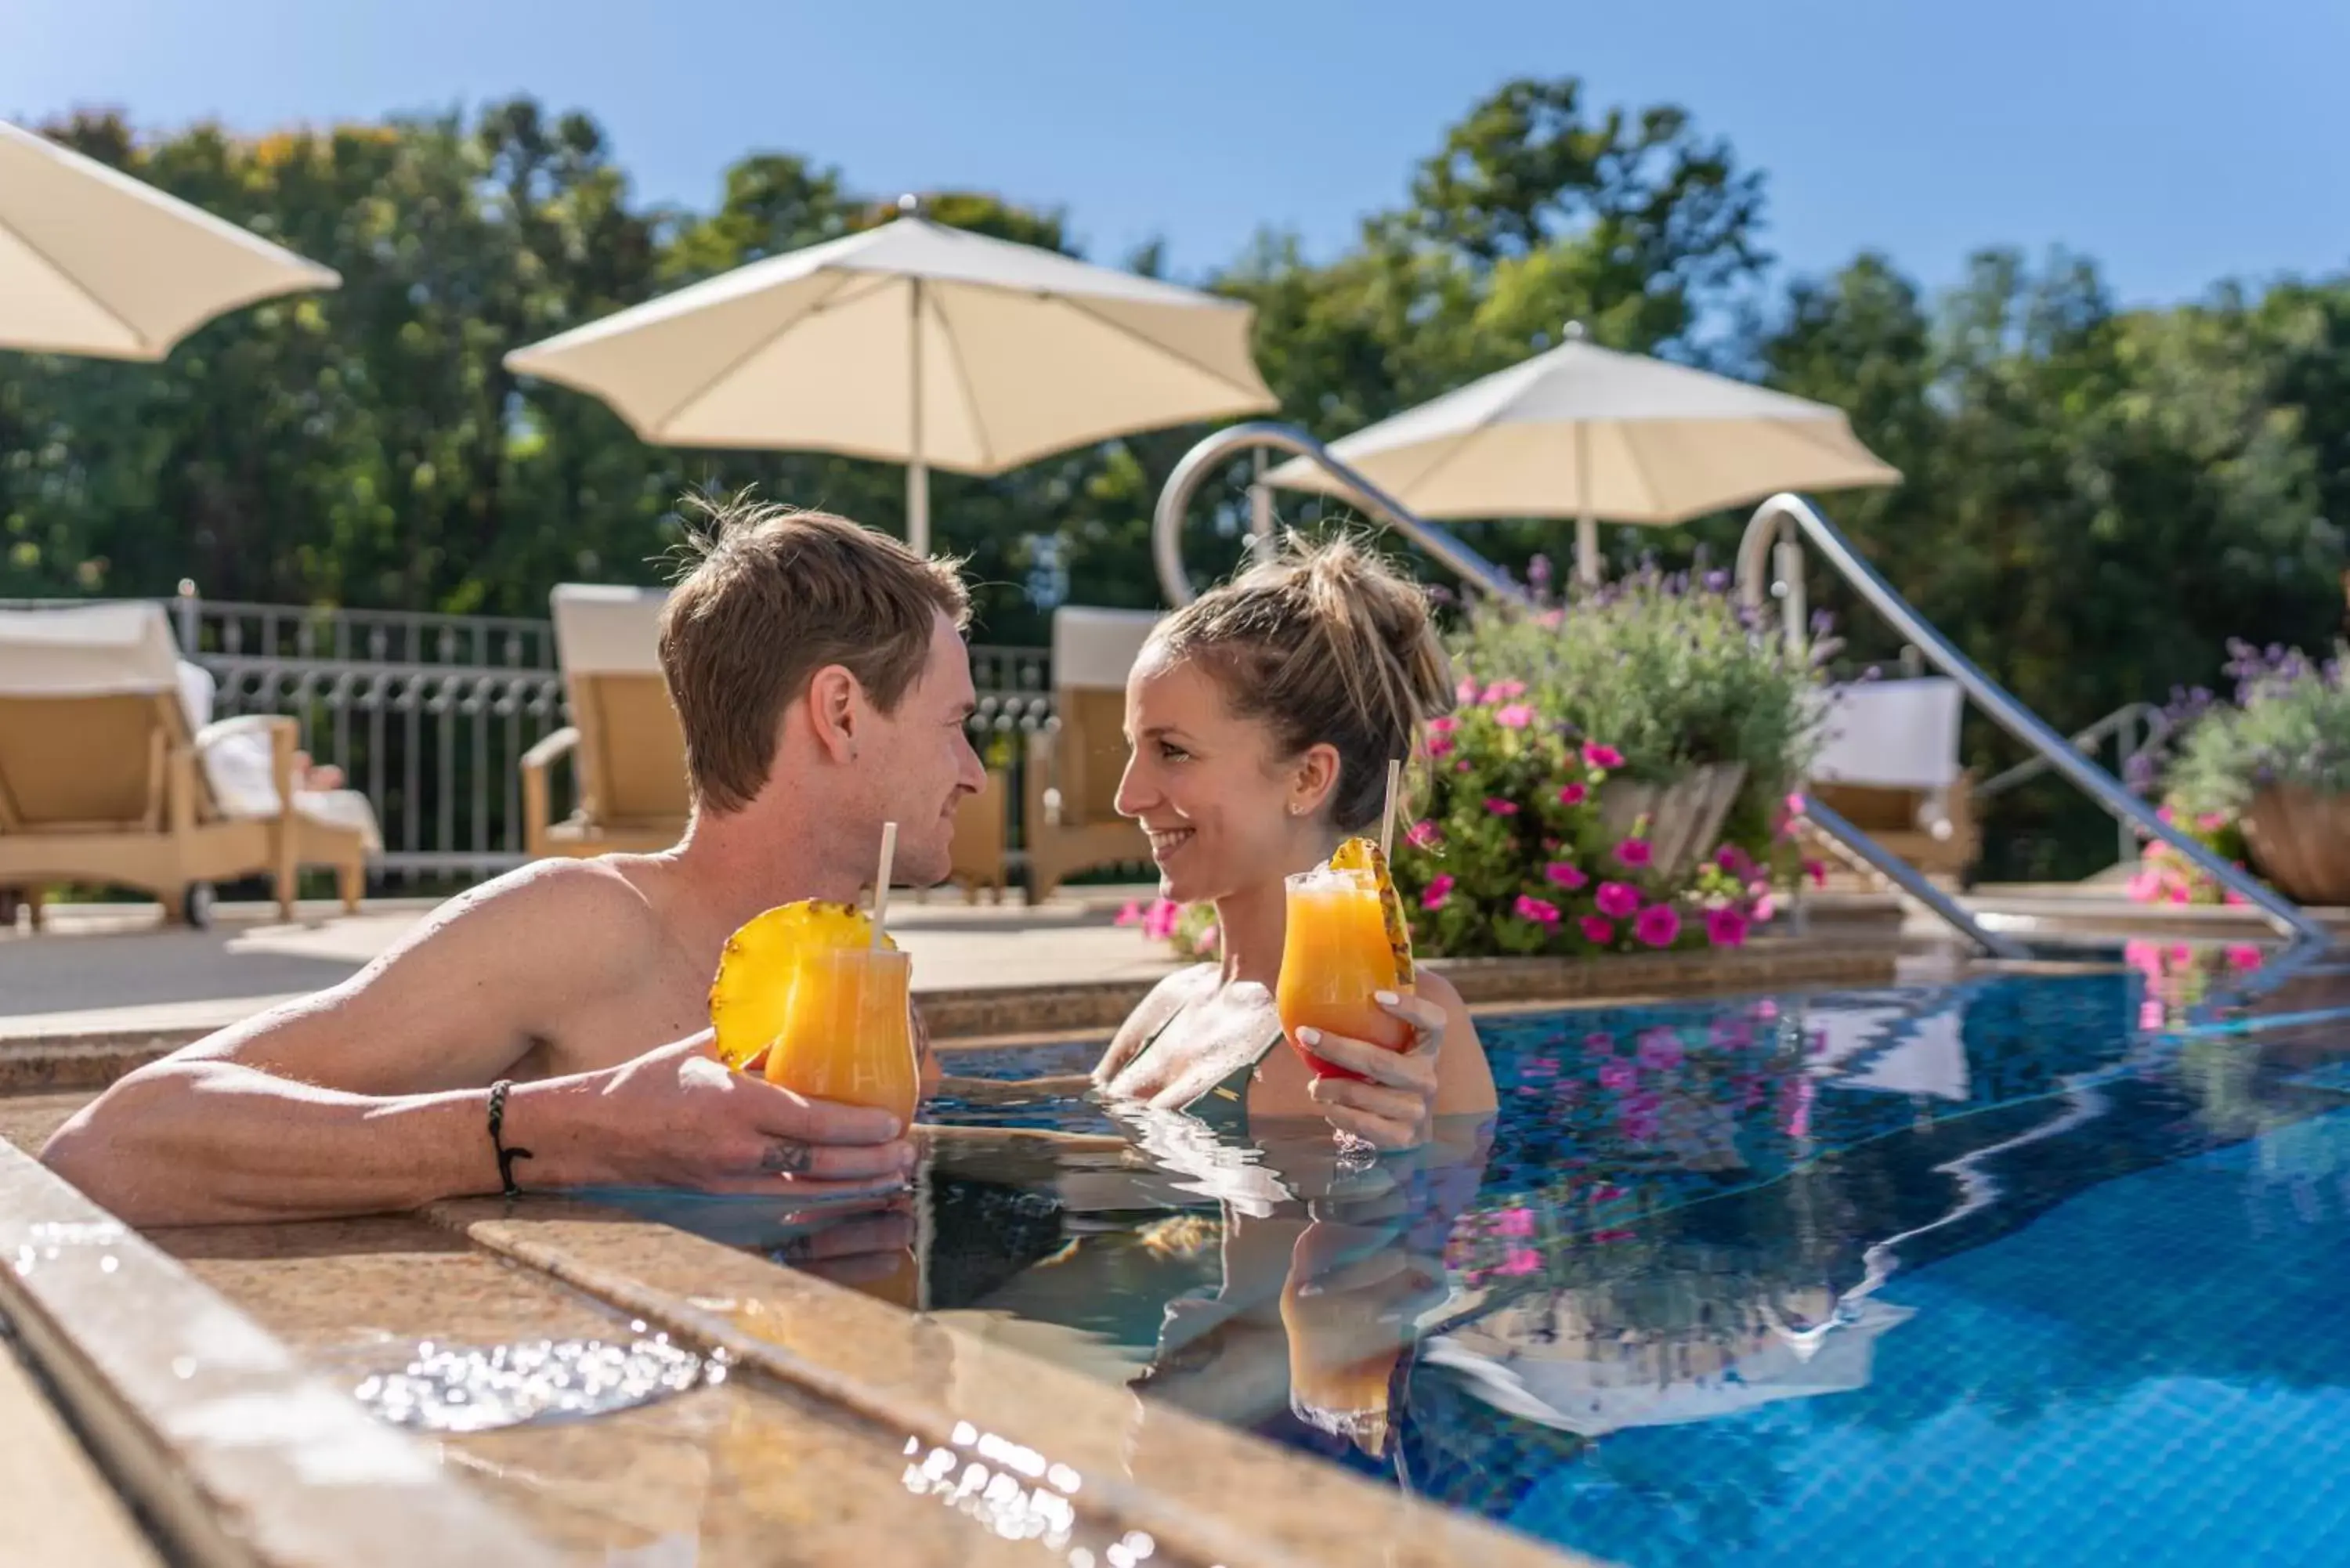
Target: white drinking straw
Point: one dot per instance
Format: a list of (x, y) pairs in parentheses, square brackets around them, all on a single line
[(882, 881), (1387, 821)]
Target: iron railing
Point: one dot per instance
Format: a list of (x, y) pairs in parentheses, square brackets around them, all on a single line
[(429, 715)]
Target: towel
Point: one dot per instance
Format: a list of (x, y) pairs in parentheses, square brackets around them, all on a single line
[(235, 755)]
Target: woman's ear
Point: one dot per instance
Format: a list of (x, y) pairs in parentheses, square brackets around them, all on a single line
[(1314, 777), (835, 711)]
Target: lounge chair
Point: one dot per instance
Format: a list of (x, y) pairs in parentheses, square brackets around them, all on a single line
[(106, 777), (1890, 766), (627, 751), (1074, 768)]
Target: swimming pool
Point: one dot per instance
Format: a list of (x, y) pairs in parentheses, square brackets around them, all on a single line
[(1979, 1274)]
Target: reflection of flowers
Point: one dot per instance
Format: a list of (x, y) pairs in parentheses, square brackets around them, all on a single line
[(2178, 977)]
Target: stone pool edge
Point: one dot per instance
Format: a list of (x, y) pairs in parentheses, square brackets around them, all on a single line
[(1209, 1493), (236, 1452), (993, 1015)]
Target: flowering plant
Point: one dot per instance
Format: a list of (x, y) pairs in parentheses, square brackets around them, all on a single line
[(1508, 854), (2289, 725), (1189, 929)]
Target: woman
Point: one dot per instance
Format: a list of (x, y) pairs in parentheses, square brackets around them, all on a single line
[(1260, 719)]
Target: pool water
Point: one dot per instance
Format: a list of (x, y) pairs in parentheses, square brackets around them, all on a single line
[(1986, 1274)]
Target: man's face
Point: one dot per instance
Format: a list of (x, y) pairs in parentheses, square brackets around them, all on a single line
[(921, 763)]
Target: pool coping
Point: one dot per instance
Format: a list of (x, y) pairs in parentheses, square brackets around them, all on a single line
[(995, 1015), (1212, 1494), (235, 1452)]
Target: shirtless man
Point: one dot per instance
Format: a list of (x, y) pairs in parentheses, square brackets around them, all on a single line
[(818, 671)]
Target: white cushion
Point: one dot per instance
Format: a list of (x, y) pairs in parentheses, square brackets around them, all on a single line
[(1094, 649), (87, 650), (1892, 734), (605, 630)]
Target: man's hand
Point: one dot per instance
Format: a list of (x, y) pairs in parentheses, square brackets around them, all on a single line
[(677, 1117)]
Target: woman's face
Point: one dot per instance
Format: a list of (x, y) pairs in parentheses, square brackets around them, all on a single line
[(1209, 789)]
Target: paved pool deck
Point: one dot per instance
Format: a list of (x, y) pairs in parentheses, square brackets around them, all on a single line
[(114, 969)]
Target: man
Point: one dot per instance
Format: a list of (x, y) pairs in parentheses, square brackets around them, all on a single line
[(819, 674)]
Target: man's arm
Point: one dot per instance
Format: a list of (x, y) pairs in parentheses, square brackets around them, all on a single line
[(372, 1095)]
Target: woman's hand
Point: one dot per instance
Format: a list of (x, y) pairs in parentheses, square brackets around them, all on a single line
[(1393, 1107)]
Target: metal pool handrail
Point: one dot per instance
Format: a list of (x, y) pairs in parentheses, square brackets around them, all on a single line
[(1200, 461), (1773, 542)]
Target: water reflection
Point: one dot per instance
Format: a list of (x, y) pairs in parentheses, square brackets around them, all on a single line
[(1737, 1221)]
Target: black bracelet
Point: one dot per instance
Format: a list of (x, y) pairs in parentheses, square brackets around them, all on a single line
[(506, 1157)]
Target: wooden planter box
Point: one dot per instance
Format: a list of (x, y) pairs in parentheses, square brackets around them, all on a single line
[(1685, 818)]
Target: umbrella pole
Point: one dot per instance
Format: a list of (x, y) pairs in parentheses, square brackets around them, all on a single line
[(918, 506), (917, 472), (1586, 526)]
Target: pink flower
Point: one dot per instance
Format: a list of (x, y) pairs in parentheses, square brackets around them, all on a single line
[(1161, 919), (1129, 916), (1565, 874), (1462, 766), (1596, 932), (2167, 814), (1795, 805), (1517, 1222), (1516, 716), (1541, 912), (1500, 807), (2244, 957), (1817, 872), (1506, 690), (1212, 940), (1440, 888), (1618, 901), (1443, 724), (1520, 1261), (1467, 690), (1423, 834), (1597, 1044), (1657, 925), (1660, 1050), (1574, 794), (1601, 757), (1439, 745), (1618, 1075), (1635, 852), (2145, 886), (1732, 859), (2212, 821), (1725, 928)]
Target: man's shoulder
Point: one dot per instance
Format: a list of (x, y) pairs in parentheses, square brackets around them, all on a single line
[(577, 908)]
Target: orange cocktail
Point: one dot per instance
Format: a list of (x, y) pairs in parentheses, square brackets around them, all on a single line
[(846, 1034), (1336, 953)]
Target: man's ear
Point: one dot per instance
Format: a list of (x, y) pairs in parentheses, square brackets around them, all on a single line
[(835, 711)]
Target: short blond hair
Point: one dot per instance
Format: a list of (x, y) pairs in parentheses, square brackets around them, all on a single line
[(775, 596)]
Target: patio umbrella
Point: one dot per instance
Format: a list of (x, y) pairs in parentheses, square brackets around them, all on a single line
[(914, 343), (1585, 432), (94, 263)]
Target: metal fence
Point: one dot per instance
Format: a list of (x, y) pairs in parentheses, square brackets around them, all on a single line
[(429, 715)]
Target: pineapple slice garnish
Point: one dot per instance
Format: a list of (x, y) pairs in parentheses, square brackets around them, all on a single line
[(752, 986), (1363, 855)]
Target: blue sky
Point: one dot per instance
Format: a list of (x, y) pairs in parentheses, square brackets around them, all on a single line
[(2177, 143)]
